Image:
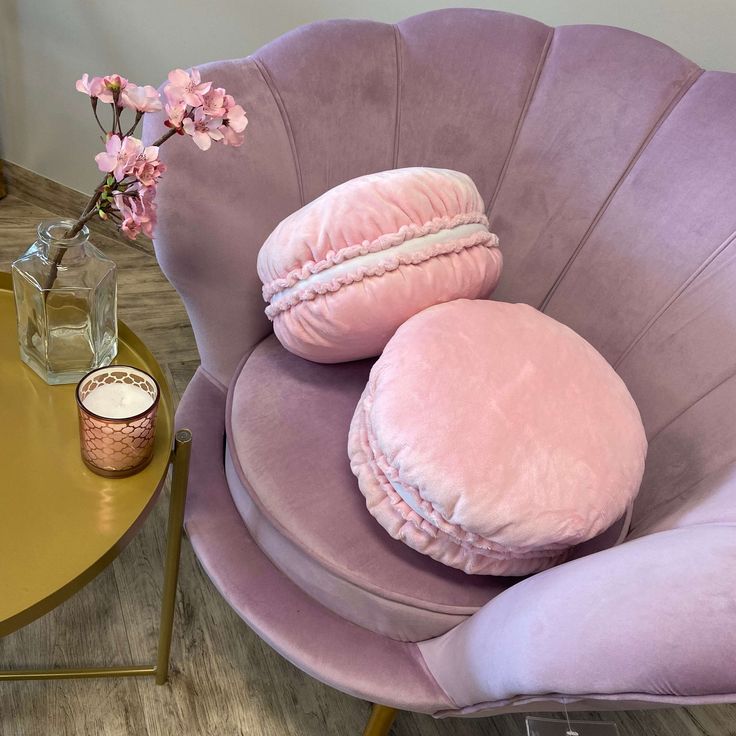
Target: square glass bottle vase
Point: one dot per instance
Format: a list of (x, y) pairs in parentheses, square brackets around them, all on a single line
[(66, 304)]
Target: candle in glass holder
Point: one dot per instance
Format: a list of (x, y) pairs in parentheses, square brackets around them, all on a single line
[(117, 419)]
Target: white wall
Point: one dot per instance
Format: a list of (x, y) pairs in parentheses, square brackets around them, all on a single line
[(45, 45)]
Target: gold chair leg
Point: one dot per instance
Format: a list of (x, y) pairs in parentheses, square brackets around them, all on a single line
[(380, 721)]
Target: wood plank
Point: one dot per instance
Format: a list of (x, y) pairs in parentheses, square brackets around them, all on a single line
[(87, 630)]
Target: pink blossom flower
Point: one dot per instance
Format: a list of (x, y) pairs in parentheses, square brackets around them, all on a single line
[(138, 210), (230, 137), (236, 118), (233, 125), (214, 103), (176, 115), (203, 129), (187, 88), (111, 84), (142, 99), (91, 87), (119, 156), (147, 168), (104, 88)]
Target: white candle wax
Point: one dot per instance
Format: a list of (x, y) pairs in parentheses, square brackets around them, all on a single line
[(117, 401)]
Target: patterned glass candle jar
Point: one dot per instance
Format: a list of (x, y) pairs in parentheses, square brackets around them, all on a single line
[(117, 419)]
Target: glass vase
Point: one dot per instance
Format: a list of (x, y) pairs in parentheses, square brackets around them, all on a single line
[(66, 304)]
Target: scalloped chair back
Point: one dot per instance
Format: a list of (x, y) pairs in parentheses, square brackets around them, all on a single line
[(608, 165)]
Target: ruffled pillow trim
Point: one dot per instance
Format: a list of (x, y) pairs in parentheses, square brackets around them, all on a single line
[(389, 240), (391, 263)]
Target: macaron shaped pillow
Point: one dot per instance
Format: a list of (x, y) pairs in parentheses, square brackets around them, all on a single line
[(344, 271), (494, 438)]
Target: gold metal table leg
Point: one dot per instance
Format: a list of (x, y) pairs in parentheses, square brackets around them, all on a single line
[(67, 674), (380, 721), (179, 478), (177, 501)]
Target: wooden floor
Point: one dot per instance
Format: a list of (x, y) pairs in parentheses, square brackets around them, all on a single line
[(225, 682)]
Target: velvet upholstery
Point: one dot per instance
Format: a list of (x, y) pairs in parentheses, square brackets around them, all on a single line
[(599, 96), (398, 616), (287, 426), (607, 163), (651, 617), (301, 629), (321, 536)]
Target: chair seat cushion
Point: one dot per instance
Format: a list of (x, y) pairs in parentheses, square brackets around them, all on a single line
[(290, 478), (344, 271), (495, 439)]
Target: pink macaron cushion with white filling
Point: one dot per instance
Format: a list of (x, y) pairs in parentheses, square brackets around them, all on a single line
[(343, 272), (495, 439)]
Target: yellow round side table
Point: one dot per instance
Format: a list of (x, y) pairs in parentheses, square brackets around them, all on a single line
[(60, 524)]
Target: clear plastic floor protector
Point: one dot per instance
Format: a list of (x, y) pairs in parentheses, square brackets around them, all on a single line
[(556, 727)]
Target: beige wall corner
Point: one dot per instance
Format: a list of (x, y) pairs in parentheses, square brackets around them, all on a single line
[(45, 126)]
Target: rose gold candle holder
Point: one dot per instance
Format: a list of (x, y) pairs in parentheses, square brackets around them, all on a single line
[(117, 446)]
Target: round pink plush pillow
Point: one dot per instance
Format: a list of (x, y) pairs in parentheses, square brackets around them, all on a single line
[(343, 272), (493, 438)]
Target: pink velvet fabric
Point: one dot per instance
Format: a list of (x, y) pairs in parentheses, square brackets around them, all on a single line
[(494, 439), (343, 272), (313, 638), (607, 162), (289, 477)]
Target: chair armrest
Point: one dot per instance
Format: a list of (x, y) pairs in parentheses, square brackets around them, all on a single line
[(654, 617)]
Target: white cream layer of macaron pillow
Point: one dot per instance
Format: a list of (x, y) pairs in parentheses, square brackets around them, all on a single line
[(344, 271), (495, 439)]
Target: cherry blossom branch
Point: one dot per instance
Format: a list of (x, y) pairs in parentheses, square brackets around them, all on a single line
[(89, 211), (168, 134), (131, 169)]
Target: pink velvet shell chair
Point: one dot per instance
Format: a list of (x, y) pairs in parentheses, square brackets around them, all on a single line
[(608, 164)]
